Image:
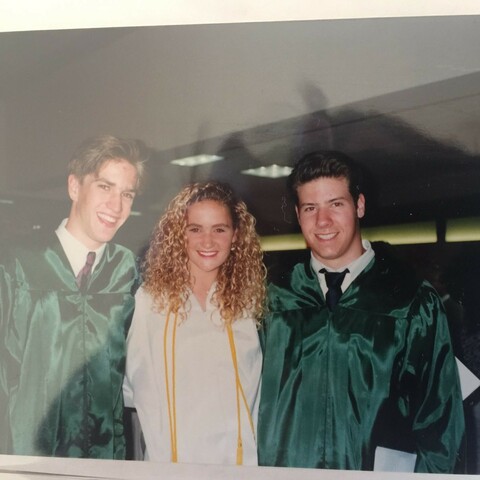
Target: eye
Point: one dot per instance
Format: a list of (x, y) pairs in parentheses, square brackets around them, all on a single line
[(104, 186), (220, 230), (337, 204), (308, 208), (129, 195), (193, 229)]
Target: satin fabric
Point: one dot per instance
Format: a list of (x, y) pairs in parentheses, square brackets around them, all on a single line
[(377, 370), (62, 356)]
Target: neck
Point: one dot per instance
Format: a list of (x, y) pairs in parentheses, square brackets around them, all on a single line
[(201, 286), (78, 234)]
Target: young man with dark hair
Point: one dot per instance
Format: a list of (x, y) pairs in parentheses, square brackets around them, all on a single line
[(66, 303), (357, 353)]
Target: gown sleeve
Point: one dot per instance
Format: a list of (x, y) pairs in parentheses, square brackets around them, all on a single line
[(5, 300), (135, 347), (435, 404)]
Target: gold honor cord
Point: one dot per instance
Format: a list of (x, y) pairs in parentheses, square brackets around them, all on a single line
[(239, 391), (172, 413)]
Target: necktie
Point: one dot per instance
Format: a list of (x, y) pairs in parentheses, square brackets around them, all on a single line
[(84, 274), (334, 282)]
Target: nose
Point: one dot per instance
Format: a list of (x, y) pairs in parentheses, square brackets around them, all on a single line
[(207, 239), (323, 217), (115, 202)]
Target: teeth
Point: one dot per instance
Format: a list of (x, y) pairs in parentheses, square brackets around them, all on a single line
[(107, 218), (207, 254), (326, 236)]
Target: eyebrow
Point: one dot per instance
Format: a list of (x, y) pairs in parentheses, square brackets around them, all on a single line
[(113, 184), (225, 225), (336, 199), (331, 200)]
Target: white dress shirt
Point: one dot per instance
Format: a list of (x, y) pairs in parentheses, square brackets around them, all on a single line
[(75, 250), (355, 268)]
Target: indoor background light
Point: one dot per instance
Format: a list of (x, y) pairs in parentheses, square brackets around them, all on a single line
[(463, 230), (415, 233), (196, 160), (272, 171)]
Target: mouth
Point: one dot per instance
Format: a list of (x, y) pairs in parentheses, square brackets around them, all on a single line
[(207, 254), (326, 236), (107, 219)]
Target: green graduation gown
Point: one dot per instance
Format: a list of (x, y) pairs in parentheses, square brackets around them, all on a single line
[(376, 371), (62, 352)]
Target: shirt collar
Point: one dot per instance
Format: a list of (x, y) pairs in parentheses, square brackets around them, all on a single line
[(355, 268), (75, 250)]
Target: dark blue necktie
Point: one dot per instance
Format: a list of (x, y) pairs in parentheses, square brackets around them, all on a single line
[(334, 283)]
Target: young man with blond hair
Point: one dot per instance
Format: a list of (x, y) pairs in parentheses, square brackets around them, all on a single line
[(66, 303)]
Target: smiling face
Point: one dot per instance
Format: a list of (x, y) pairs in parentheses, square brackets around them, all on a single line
[(209, 238), (101, 202), (328, 218)]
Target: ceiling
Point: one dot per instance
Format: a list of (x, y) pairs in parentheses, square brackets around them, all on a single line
[(401, 95)]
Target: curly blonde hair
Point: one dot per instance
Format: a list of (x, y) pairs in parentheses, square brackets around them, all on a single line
[(240, 288)]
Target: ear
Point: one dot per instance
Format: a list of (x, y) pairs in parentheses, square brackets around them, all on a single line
[(296, 211), (234, 238), (73, 187), (361, 206)]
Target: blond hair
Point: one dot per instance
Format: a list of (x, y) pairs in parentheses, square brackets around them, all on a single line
[(240, 288), (93, 153)]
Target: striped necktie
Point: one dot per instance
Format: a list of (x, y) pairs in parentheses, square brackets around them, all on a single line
[(84, 275)]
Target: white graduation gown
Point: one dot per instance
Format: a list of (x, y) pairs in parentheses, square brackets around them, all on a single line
[(206, 408)]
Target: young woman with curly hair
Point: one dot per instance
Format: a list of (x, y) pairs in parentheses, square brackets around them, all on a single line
[(193, 358)]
